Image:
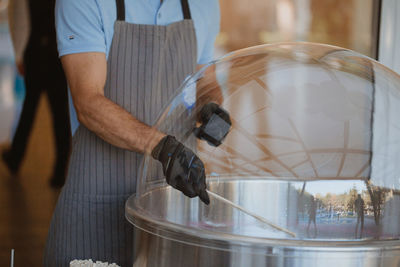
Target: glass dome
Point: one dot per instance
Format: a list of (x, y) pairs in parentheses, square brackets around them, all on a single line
[(314, 148)]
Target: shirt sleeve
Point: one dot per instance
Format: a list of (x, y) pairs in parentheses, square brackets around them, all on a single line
[(79, 27), (213, 30)]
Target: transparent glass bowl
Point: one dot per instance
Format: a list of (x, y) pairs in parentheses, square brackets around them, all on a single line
[(314, 148)]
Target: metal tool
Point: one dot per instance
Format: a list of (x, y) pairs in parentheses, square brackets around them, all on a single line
[(261, 219)]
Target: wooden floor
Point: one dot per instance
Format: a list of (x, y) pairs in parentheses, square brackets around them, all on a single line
[(27, 201)]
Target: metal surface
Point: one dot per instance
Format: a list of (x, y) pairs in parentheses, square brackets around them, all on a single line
[(12, 258), (173, 230)]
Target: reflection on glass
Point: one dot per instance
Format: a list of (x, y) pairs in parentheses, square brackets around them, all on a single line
[(312, 215)]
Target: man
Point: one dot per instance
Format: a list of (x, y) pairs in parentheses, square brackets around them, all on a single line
[(34, 40), (359, 207), (124, 60), (312, 216)]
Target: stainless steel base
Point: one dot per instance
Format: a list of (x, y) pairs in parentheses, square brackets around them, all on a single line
[(155, 251), (172, 230)]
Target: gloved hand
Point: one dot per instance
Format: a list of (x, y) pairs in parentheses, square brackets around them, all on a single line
[(215, 124), (182, 168)]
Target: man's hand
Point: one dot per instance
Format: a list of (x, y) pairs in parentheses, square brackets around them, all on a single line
[(182, 168), (215, 124)]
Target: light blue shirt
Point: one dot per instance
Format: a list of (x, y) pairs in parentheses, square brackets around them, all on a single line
[(88, 25)]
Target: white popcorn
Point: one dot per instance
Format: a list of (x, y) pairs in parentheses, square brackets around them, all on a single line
[(90, 263)]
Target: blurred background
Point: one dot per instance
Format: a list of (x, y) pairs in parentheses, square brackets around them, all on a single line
[(351, 24), (27, 201)]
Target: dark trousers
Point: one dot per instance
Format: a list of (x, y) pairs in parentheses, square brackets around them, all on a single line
[(360, 217), (44, 74)]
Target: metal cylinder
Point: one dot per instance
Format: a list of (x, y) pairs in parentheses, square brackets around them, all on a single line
[(172, 230)]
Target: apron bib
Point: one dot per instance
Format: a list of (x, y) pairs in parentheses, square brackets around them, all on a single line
[(146, 65)]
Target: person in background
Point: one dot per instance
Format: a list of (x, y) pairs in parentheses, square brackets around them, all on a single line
[(359, 207), (124, 61), (34, 39), (312, 216)]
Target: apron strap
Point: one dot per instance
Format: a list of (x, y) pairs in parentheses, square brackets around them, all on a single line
[(120, 10), (186, 9)]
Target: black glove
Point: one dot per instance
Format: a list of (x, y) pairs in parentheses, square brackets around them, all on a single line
[(182, 168), (215, 124)]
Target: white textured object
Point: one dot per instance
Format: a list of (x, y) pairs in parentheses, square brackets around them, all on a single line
[(90, 263)]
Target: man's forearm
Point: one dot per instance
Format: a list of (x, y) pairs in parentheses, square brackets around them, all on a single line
[(86, 75), (117, 126)]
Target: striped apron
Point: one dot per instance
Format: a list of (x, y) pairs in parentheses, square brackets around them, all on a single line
[(146, 65)]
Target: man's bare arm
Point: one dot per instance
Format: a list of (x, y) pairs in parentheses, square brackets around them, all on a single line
[(86, 75)]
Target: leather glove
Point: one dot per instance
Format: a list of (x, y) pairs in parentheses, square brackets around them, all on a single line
[(215, 124), (182, 168)]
